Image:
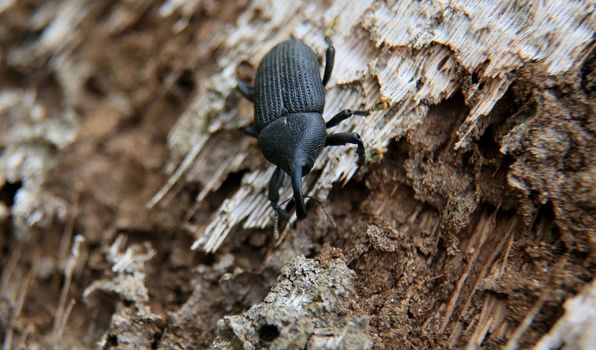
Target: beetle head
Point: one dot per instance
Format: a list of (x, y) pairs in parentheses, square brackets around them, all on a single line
[(293, 142)]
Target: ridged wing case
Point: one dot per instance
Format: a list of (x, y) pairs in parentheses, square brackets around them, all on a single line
[(287, 81)]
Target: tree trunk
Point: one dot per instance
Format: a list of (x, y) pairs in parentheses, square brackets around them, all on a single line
[(134, 211)]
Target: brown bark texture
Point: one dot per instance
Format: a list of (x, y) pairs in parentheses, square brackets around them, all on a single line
[(134, 210)]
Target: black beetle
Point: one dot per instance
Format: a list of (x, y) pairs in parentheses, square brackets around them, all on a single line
[(289, 99)]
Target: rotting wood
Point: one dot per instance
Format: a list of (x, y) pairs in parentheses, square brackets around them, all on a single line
[(89, 93), (575, 329), (411, 54)]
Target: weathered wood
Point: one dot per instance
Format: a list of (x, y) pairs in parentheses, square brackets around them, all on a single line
[(471, 223), (404, 56)]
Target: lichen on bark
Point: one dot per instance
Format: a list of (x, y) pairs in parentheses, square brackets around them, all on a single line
[(309, 306)]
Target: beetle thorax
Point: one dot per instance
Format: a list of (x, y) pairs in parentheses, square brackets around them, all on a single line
[(294, 140)]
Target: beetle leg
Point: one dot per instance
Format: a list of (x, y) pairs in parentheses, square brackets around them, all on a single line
[(246, 91), (329, 60), (251, 131), (274, 185), (344, 138), (343, 115)]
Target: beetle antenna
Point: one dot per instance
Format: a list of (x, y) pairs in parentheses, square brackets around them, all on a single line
[(276, 227), (312, 198), (322, 207), (278, 220)]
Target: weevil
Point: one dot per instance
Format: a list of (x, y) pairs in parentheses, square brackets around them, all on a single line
[(289, 98)]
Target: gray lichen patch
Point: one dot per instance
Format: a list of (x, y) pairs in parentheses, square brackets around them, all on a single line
[(309, 307), (133, 325), (32, 134)]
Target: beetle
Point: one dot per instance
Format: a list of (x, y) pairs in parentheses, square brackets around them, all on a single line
[(289, 99)]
